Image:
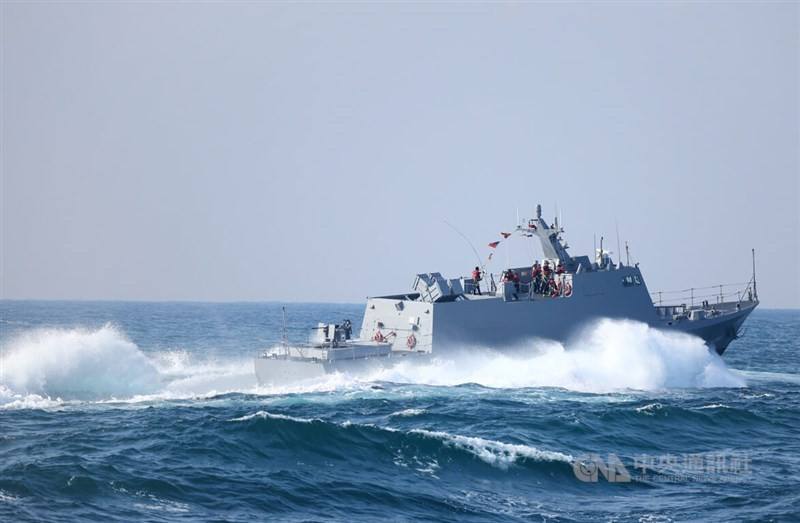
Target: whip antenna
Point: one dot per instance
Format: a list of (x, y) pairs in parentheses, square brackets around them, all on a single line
[(477, 256), (284, 335)]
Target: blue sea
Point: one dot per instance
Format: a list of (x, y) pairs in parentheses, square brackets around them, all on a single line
[(114, 411)]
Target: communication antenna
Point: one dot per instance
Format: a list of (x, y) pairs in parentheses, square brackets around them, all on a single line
[(616, 225), (284, 334), (627, 254), (755, 291), (477, 256), (601, 252)]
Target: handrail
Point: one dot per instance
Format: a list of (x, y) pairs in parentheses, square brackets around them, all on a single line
[(689, 294), (702, 288)]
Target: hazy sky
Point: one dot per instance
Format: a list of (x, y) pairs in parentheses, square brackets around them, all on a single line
[(275, 151)]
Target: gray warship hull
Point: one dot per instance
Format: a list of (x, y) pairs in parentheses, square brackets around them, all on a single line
[(491, 321), (439, 315)]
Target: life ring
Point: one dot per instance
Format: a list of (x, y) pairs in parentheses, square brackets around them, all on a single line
[(567, 289), (379, 337), (411, 341)]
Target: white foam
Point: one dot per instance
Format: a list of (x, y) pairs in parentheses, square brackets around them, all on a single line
[(157, 504), (768, 377), (263, 414), (495, 453), (713, 406), (650, 408), (12, 400), (5, 497), (184, 375), (47, 368), (407, 413), (610, 355), (335, 381), (77, 363)]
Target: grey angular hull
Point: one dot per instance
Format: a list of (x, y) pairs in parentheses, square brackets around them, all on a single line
[(719, 332), (499, 323)]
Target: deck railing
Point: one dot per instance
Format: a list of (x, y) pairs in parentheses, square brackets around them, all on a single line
[(725, 292)]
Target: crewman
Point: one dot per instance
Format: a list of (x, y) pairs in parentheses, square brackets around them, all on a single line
[(547, 274), (550, 286), (347, 327), (560, 268), (547, 279), (536, 277), (513, 277), (476, 278)]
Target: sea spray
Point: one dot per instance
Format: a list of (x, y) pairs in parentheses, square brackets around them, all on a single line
[(608, 355), (184, 374), (78, 363), (45, 367), (103, 364)]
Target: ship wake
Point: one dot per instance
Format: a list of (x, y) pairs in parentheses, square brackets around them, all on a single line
[(48, 367)]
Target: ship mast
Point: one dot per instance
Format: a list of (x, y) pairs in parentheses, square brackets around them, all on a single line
[(552, 246)]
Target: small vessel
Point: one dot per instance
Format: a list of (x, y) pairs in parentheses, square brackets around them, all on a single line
[(550, 300)]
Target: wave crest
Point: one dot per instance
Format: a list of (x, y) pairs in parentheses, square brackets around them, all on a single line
[(420, 444)]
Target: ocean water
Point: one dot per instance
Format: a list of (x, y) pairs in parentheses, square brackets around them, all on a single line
[(150, 412)]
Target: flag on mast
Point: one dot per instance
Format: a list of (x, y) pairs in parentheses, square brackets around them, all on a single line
[(494, 245)]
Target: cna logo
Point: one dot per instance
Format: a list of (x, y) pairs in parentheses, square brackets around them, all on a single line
[(589, 468)]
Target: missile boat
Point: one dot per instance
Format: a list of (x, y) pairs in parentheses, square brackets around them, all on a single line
[(550, 299)]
